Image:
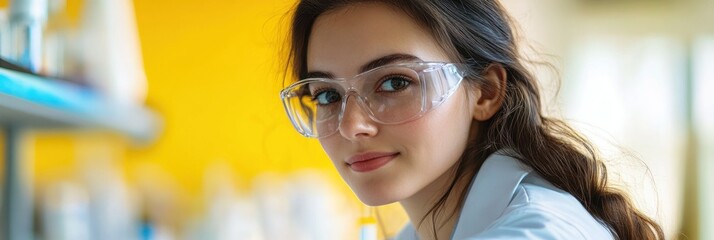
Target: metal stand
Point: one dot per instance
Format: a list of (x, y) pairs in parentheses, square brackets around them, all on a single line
[(17, 190)]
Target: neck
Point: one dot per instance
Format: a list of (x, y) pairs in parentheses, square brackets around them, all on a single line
[(443, 220)]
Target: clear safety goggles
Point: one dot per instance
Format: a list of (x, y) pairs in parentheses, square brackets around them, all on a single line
[(390, 94)]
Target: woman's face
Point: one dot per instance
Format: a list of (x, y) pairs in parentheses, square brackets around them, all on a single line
[(387, 163)]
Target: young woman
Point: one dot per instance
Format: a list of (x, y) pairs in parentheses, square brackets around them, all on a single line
[(428, 103)]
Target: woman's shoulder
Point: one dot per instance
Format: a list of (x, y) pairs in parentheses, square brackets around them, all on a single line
[(539, 210), (508, 200)]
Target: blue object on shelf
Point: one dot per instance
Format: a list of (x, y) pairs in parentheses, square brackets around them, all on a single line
[(30, 101), (50, 93)]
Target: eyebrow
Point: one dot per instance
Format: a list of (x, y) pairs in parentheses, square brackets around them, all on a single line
[(388, 59)]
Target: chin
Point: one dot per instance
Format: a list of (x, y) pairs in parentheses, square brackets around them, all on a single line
[(376, 190), (375, 201), (378, 197)]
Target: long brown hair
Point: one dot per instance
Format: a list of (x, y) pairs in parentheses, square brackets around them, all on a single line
[(480, 32)]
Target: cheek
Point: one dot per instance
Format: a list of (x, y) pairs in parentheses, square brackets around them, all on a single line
[(440, 142), (331, 147), (441, 135)]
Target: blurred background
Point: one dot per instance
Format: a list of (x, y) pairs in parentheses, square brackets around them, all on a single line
[(210, 154)]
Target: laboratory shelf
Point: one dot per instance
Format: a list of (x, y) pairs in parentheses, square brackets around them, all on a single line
[(28, 101)]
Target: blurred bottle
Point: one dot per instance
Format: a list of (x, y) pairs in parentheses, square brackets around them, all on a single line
[(114, 208), (112, 55), (367, 225), (66, 212), (150, 230), (230, 213), (273, 203), (3, 30), (22, 36), (315, 211), (60, 58)]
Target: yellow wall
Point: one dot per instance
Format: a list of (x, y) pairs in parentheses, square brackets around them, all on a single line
[(213, 70)]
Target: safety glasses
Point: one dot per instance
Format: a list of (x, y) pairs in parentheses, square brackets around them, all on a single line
[(390, 94)]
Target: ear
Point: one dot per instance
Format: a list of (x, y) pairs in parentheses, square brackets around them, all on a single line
[(490, 93)]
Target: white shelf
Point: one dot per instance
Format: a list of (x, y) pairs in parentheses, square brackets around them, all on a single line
[(29, 101)]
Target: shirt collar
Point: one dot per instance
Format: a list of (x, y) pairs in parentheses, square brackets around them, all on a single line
[(489, 194)]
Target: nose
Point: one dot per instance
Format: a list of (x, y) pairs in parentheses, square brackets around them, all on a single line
[(356, 123)]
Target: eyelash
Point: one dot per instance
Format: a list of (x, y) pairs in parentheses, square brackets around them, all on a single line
[(318, 92), (400, 76)]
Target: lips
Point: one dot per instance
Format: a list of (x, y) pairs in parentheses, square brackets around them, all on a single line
[(370, 161)]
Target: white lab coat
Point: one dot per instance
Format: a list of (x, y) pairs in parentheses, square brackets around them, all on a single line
[(506, 200)]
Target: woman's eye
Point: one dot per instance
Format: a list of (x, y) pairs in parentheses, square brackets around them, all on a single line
[(327, 97), (394, 84)]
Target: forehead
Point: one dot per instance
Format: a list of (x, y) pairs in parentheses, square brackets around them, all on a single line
[(345, 39)]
